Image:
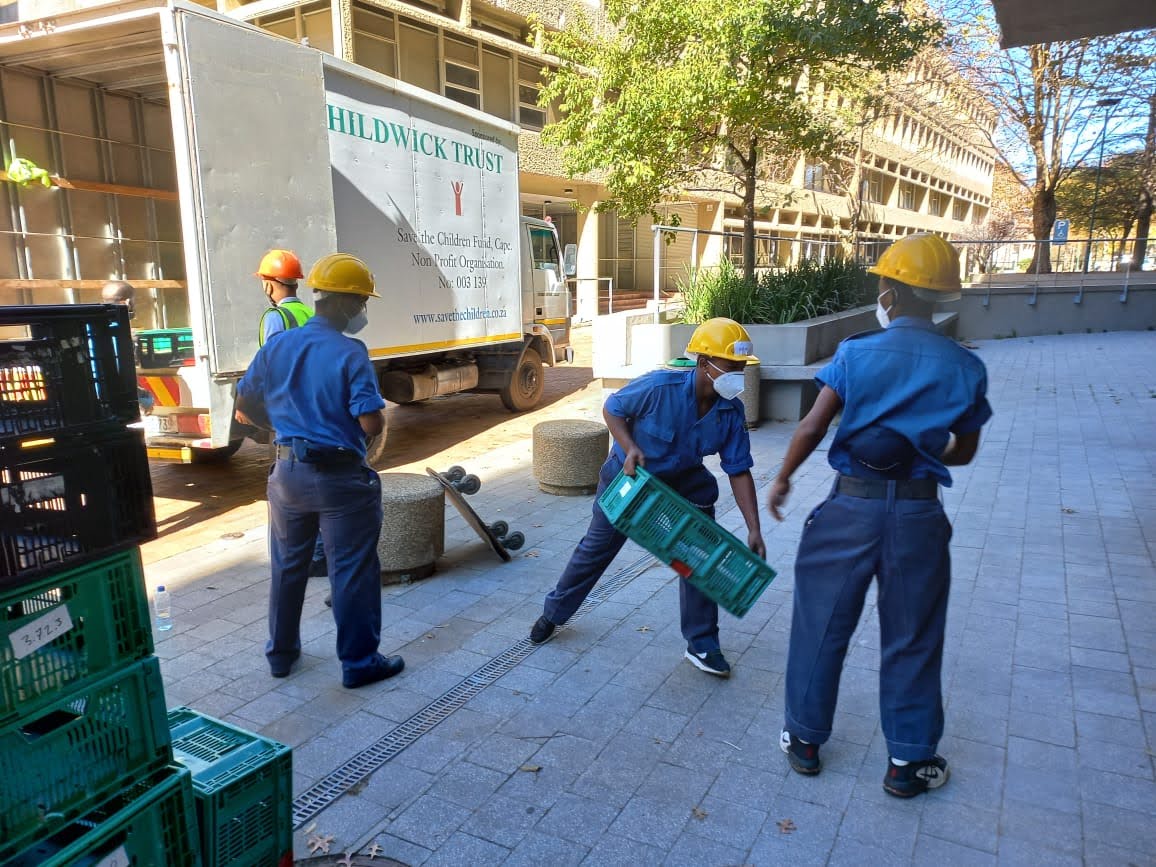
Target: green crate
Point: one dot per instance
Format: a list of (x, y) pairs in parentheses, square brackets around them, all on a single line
[(73, 753), (151, 823), (243, 785), (91, 619), (651, 513)]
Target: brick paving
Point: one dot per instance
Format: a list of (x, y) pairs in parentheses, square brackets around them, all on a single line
[(604, 747)]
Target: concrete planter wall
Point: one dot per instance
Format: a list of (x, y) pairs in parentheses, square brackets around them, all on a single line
[(803, 342)]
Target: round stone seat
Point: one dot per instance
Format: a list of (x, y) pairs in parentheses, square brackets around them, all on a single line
[(568, 453), (413, 526)]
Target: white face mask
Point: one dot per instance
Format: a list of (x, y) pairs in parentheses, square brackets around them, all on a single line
[(358, 322), (883, 314), (729, 384)]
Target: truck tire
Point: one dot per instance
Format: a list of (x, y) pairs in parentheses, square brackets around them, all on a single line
[(524, 388)]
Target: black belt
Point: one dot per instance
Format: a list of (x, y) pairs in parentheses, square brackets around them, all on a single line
[(876, 489), (326, 458)]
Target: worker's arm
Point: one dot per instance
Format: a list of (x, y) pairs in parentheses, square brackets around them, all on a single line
[(743, 487), (961, 449), (372, 423), (620, 430), (805, 440)]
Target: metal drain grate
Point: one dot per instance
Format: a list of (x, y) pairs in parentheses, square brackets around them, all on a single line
[(324, 792)]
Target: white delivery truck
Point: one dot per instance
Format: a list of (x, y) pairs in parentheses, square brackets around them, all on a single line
[(182, 144)]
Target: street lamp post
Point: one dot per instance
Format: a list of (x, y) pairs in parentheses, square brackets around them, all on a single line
[(1109, 104)]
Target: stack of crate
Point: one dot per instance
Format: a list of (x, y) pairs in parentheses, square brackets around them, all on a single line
[(86, 764)]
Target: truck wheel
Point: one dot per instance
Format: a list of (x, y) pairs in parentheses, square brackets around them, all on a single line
[(524, 388), (216, 456)]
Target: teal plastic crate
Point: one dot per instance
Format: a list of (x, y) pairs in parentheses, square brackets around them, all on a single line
[(243, 785), (151, 823), (651, 513), (74, 753), (58, 632)]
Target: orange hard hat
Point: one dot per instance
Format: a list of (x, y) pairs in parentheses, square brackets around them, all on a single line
[(280, 265)]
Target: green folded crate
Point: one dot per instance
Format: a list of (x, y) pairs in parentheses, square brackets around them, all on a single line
[(58, 632), (651, 513), (243, 785), (72, 754), (151, 823)]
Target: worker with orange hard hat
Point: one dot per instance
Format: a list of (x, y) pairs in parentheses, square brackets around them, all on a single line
[(279, 272)]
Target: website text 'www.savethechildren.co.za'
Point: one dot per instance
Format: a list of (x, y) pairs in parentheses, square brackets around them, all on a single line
[(464, 314)]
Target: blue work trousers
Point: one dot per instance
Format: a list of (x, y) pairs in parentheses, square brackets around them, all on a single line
[(846, 542), (602, 543), (345, 503)]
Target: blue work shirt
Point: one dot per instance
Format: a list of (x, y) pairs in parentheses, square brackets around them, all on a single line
[(315, 382), (664, 422), (912, 380)]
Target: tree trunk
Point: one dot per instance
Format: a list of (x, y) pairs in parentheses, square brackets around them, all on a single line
[(1143, 227), (750, 178), (1043, 218)]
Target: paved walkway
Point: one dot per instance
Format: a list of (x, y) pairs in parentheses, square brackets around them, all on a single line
[(605, 747)]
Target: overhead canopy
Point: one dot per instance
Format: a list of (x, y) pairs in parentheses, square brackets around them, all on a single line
[(1027, 22)]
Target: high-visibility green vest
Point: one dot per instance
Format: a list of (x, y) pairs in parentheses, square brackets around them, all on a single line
[(293, 313)]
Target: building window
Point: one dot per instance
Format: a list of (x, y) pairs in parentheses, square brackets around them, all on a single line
[(463, 74), (530, 114), (311, 25), (937, 204), (959, 210), (9, 13), (907, 197), (871, 188), (374, 40), (814, 177)]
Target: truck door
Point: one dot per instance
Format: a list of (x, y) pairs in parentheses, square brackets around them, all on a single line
[(257, 145)]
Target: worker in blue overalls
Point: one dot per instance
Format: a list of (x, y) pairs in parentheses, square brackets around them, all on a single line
[(279, 271), (667, 421), (913, 403), (317, 387)]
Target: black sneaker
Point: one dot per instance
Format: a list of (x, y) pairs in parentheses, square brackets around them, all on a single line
[(318, 568), (541, 630), (282, 667), (383, 667), (915, 778), (804, 757), (712, 662), (328, 600)]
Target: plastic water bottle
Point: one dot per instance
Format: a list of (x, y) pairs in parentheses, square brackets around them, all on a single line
[(163, 607)]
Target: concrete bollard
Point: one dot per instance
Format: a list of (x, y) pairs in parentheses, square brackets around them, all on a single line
[(568, 453), (413, 526)]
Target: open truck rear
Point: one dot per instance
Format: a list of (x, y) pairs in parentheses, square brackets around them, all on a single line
[(182, 144)]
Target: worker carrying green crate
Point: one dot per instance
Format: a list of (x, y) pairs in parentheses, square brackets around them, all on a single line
[(913, 402), (668, 421)]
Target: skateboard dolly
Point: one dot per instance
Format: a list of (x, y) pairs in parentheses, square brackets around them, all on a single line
[(458, 483)]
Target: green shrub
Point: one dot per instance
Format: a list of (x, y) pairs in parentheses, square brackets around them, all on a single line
[(805, 291)]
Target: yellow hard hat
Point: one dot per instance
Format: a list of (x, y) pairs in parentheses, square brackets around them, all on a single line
[(922, 261), (341, 272), (722, 338)]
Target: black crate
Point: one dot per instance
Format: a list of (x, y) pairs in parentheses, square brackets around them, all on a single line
[(73, 371), (65, 501)]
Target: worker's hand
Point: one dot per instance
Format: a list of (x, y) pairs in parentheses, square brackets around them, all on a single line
[(755, 543), (634, 457), (777, 498), (242, 418)]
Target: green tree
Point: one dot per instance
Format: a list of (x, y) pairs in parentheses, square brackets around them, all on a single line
[(1120, 179), (716, 95)]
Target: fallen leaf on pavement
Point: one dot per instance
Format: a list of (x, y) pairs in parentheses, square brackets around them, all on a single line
[(530, 769), (786, 826), (699, 813), (318, 843), (642, 629), (374, 851)]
